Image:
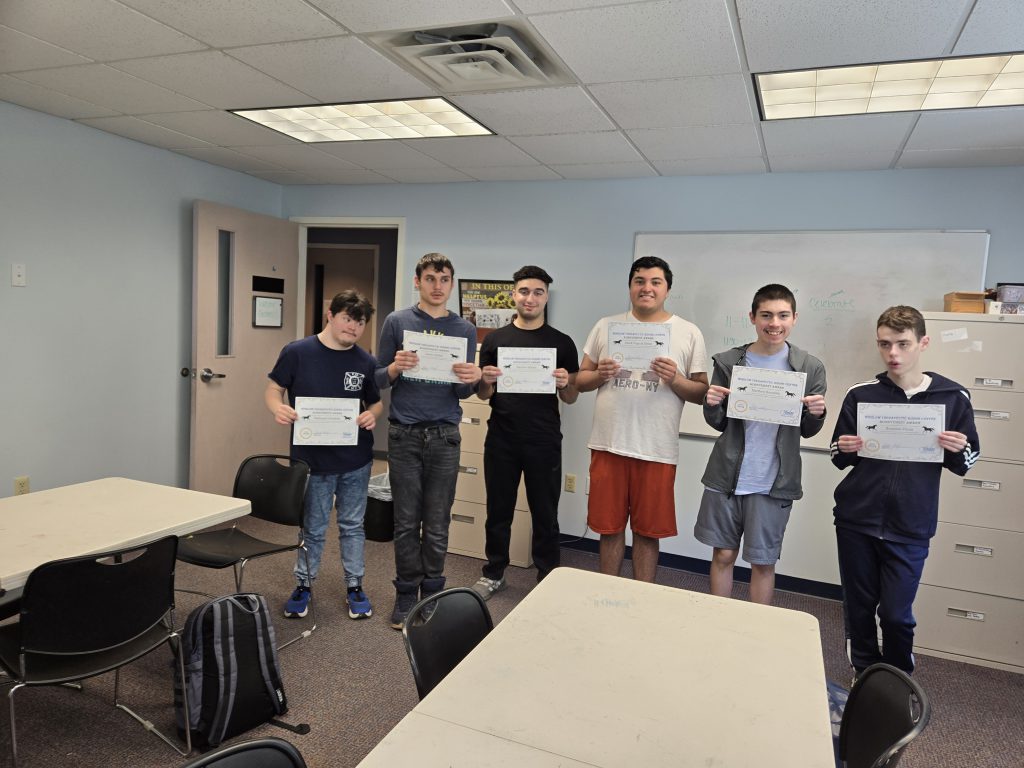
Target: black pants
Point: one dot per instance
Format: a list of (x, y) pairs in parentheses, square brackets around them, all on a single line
[(505, 461)]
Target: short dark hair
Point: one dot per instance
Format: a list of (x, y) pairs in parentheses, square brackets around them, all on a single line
[(773, 292), (353, 304), (530, 272), (903, 318), (651, 262), (435, 262)]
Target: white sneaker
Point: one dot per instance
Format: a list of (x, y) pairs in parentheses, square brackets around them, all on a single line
[(487, 588)]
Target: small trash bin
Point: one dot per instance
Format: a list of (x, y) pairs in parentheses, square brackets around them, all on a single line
[(379, 523)]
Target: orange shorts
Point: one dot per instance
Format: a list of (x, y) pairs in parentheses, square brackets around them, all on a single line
[(624, 488)]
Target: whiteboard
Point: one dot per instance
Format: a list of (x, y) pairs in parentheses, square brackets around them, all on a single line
[(842, 282)]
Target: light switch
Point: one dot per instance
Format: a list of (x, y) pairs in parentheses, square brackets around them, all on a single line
[(19, 276)]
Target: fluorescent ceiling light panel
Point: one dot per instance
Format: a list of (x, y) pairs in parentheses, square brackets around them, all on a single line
[(906, 86), (369, 121)]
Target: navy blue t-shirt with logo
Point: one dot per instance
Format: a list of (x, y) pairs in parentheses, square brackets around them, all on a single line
[(307, 368)]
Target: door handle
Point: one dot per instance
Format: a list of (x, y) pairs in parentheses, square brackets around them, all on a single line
[(207, 375)]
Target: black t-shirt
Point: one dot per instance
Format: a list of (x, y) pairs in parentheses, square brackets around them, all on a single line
[(527, 415)]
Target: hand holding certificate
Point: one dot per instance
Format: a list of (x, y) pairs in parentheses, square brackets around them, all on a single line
[(437, 355), (763, 394), (526, 370), (326, 421), (635, 345), (901, 432)]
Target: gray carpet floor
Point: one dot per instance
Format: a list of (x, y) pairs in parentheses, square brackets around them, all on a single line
[(350, 681)]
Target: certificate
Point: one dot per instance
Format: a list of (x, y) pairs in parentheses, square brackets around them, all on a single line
[(763, 394), (437, 356), (635, 345), (326, 421), (901, 432), (526, 370)]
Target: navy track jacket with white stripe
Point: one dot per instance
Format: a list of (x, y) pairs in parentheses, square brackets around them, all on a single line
[(899, 500)]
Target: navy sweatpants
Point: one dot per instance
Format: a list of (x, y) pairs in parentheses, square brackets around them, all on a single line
[(880, 577)]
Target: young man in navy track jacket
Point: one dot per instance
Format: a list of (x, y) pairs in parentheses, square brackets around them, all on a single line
[(886, 511)]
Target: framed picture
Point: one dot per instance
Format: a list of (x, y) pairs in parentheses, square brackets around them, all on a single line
[(267, 312), (487, 304)]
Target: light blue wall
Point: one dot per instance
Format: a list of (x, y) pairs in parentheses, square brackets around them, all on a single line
[(91, 348), (582, 233)]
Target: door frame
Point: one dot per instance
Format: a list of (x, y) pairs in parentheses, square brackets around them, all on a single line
[(347, 222)]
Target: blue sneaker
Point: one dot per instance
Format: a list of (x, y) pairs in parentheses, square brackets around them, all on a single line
[(298, 604), (358, 604)]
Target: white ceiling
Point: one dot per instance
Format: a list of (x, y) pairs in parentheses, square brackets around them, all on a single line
[(656, 87)]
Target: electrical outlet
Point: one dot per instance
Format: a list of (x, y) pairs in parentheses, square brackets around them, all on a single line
[(570, 483), (21, 485)]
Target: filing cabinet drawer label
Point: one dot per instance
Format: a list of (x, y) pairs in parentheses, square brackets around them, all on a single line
[(957, 613), (468, 470), (968, 549), (457, 518), (985, 485), (982, 382), (994, 415), (471, 420)]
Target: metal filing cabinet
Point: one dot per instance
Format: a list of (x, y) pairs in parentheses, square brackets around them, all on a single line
[(469, 512), (970, 605)]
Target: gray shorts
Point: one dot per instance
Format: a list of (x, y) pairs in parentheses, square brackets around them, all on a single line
[(759, 520)]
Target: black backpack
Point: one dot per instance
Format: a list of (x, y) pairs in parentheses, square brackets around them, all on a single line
[(232, 677)]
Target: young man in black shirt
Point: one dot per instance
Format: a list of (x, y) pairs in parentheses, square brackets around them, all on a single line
[(524, 437)]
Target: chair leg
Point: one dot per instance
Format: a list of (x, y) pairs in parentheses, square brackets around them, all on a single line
[(14, 738), (149, 725), (312, 608)]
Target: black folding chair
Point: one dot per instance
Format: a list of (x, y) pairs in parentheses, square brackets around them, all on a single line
[(440, 631), (885, 712), (276, 488), (71, 628), (257, 753)]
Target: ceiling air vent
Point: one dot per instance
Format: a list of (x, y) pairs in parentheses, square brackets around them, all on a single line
[(477, 57)]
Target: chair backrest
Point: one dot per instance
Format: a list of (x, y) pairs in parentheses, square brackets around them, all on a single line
[(439, 637), (94, 602), (257, 753), (886, 711), (275, 486)]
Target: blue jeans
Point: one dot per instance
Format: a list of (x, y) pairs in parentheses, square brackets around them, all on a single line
[(349, 491), (424, 464)]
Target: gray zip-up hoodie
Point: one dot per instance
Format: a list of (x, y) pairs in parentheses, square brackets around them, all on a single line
[(723, 468)]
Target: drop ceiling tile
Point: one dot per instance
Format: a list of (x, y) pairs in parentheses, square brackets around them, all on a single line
[(228, 158), (111, 88), (604, 171), (334, 69), (221, 128), (147, 133), (411, 14), (380, 155), (548, 6), (672, 38), (994, 26), (969, 129), (514, 173), (712, 100), (426, 175), (710, 166), (226, 23), (45, 100), (99, 29), (300, 159), (697, 141), (355, 176), (214, 79), (20, 51), (841, 135), (831, 161), (796, 34), (472, 151), (536, 111), (962, 158), (284, 177), (579, 148)]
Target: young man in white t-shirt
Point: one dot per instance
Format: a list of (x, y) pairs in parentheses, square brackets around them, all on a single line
[(634, 442)]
